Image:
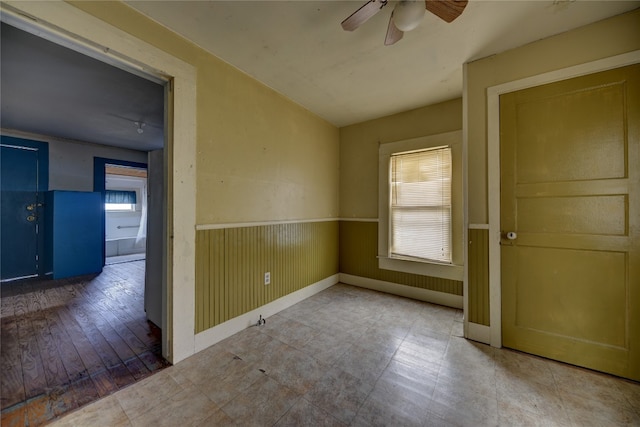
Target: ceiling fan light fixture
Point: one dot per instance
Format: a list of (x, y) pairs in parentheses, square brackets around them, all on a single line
[(139, 126), (408, 14)]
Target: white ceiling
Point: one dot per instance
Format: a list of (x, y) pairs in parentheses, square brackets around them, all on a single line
[(296, 47), (299, 49)]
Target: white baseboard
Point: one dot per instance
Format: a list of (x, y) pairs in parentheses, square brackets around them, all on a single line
[(477, 332), (426, 295), (218, 333)]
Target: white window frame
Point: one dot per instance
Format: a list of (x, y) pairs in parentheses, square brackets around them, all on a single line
[(453, 271)]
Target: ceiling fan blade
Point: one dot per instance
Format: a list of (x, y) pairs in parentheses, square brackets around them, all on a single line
[(393, 33), (361, 15), (447, 10)]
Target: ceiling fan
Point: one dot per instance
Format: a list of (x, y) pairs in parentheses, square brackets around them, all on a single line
[(406, 15)]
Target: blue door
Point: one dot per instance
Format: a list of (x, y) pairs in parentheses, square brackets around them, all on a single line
[(23, 179)]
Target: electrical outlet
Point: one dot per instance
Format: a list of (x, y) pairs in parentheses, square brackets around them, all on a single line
[(267, 278)]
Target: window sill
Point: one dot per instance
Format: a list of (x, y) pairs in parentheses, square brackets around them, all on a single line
[(443, 271)]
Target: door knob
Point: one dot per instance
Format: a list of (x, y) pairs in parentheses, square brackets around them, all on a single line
[(512, 235), (31, 218)]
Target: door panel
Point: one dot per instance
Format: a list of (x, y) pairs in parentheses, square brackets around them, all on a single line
[(595, 214), (570, 188), (76, 233), (595, 314), (20, 211), (589, 120)]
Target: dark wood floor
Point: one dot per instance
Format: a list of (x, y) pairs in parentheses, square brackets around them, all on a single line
[(66, 343)]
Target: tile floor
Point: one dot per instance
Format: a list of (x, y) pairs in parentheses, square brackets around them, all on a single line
[(350, 356)]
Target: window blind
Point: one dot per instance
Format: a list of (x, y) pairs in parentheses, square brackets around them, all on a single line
[(420, 220), (120, 197)]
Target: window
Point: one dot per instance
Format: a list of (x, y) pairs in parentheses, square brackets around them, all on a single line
[(420, 205), (119, 206), (116, 200)]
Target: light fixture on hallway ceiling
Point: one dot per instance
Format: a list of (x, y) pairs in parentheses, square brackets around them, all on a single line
[(140, 125)]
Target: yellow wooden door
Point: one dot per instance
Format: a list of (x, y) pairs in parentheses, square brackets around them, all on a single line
[(570, 190)]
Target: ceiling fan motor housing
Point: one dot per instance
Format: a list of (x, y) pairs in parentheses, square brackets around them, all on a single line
[(408, 14)]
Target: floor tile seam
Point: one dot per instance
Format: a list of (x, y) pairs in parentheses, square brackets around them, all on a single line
[(409, 340), (375, 383), (300, 397), (562, 394), (251, 384), (562, 402), (440, 370), (248, 387), (509, 383), (342, 371), (635, 408), (82, 410), (324, 411), (430, 397), (284, 335), (544, 419), (118, 395), (618, 383), (171, 397), (495, 388), (226, 413), (565, 395), (536, 414)]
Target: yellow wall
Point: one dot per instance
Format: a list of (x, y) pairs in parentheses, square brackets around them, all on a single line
[(261, 157), (358, 257), (359, 151), (359, 162), (602, 39)]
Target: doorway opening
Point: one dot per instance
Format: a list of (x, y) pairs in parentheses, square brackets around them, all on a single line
[(124, 188), (126, 214), (67, 25), (102, 341)]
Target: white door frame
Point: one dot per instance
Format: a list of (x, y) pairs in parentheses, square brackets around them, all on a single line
[(67, 25), (493, 165)]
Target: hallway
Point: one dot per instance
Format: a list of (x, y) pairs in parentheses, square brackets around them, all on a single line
[(69, 342)]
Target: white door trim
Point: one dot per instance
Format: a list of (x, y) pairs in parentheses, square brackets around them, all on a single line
[(70, 26), (493, 165)]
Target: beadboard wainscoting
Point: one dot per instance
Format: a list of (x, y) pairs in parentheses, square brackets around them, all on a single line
[(358, 259), (478, 276), (232, 262)]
